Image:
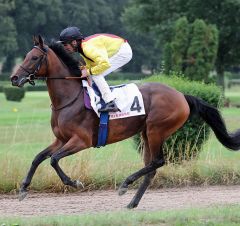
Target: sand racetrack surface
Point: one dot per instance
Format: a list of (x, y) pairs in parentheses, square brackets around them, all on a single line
[(46, 204)]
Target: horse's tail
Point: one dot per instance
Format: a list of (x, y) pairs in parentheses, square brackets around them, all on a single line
[(214, 119)]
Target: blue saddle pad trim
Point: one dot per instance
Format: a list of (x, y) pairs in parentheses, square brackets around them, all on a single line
[(103, 129), (104, 118)]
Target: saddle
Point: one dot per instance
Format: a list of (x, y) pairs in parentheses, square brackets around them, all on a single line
[(128, 99)]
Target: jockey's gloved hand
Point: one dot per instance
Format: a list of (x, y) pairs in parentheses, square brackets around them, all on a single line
[(84, 73)]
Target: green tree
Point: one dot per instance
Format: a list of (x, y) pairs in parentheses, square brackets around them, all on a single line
[(167, 58), (36, 17), (225, 15), (179, 44), (152, 15), (24, 19), (145, 53), (8, 34), (90, 16), (29, 17), (145, 50), (193, 49), (202, 50), (159, 15)]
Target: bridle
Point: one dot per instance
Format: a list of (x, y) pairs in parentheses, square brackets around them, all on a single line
[(32, 75)]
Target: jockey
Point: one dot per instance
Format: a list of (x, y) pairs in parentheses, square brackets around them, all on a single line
[(103, 54)]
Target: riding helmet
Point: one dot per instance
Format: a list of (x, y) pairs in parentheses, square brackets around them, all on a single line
[(69, 34)]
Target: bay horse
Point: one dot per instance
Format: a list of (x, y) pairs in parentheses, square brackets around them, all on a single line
[(76, 128)]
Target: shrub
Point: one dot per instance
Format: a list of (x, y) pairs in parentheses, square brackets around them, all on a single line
[(5, 77), (187, 142), (13, 93), (4, 83), (126, 76)]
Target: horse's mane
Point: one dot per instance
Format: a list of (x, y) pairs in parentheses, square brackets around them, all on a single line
[(68, 60)]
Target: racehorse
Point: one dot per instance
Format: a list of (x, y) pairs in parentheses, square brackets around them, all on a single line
[(76, 128)]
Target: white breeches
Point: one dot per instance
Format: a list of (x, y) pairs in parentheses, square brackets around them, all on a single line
[(122, 57)]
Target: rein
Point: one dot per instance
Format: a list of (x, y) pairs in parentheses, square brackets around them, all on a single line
[(67, 77)]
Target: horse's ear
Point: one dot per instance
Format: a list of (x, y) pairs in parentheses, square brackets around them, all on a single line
[(41, 42), (35, 40)]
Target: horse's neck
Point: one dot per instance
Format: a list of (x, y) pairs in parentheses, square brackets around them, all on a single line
[(61, 91)]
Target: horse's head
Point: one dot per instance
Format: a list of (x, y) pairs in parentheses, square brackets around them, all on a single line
[(32, 65)]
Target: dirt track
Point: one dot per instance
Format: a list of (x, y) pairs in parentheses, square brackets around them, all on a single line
[(37, 204)]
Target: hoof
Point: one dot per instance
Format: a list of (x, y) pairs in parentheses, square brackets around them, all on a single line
[(22, 195), (78, 184), (131, 206), (122, 191)]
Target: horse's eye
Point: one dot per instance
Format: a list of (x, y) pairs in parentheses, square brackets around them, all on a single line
[(34, 58)]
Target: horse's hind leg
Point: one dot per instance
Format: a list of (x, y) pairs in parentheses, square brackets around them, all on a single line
[(36, 162), (71, 147), (157, 131), (135, 176), (153, 160), (141, 190), (147, 178)]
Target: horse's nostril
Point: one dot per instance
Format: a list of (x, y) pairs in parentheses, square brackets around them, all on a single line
[(14, 78)]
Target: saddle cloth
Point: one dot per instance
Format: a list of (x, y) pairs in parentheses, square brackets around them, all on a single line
[(128, 99)]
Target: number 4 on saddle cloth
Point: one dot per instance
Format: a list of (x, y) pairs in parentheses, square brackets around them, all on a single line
[(128, 99)]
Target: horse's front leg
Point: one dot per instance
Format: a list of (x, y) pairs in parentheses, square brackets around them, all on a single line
[(46, 153), (74, 145)]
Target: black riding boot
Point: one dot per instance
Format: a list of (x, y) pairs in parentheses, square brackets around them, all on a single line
[(109, 107)]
